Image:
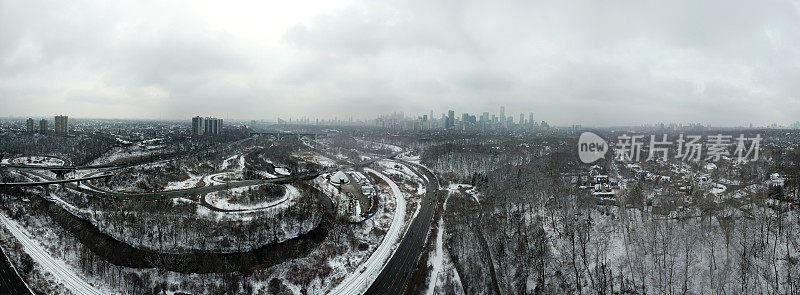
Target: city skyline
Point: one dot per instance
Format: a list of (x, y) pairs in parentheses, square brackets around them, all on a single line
[(622, 65), (439, 118)]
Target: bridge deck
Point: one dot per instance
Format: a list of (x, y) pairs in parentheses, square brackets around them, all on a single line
[(60, 181)]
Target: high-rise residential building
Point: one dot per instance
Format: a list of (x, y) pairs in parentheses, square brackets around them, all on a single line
[(197, 126), (42, 126), (29, 125), (212, 126), (62, 125)]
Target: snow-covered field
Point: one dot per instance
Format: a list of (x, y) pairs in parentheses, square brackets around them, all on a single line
[(457, 187), (37, 161), (317, 158), (282, 170), (192, 182), (117, 153), (221, 202)]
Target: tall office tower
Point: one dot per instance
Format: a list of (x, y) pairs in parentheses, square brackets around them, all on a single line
[(29, 125), (502, 114), (61, 125), (530, 119), (451, 119), (521, 119), (484, 120), (42, 126), (430, 123), (198, 126)]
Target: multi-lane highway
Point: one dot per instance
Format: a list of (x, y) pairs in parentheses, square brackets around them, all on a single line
[(394, 277)]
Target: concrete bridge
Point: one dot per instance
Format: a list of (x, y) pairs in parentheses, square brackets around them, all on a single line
[(58, 181), (46, 184), (281, 135)]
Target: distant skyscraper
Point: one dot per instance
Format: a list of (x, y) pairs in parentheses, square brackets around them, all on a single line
[(62, 125), (29, 125), (530, 119), (42, 126), (521, 119), (451, 119), (197, 126), (502, 114)]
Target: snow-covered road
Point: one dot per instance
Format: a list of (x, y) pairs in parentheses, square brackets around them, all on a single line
[(63, 273), (359, 281)]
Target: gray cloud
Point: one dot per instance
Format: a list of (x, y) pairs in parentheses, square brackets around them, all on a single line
[(588, 62)]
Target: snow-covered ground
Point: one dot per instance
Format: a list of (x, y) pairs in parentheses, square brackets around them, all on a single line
[(192, 182), (229, 162), (58, 268), (411, 158), (442, 268), (717, 188), (454, 187), (375, 144), (323, 160), (117, 153), (359, 281), (37, 161), (221, 202)]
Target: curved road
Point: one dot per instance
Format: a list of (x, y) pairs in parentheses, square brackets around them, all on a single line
[(394, 277)]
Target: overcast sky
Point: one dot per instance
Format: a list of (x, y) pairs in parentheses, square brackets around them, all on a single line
[(585, 62)]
